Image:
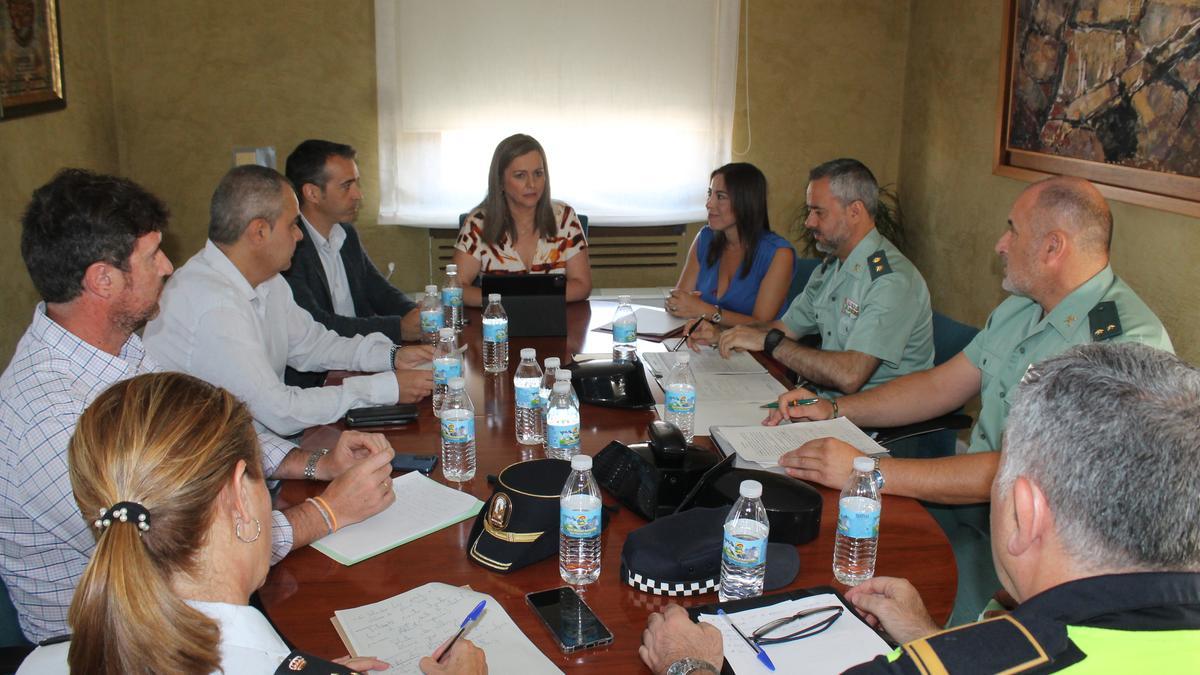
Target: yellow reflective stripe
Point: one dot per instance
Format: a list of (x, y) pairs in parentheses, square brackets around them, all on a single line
[(925, 658)]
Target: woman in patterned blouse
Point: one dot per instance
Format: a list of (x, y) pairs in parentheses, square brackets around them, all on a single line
[(531, 233)]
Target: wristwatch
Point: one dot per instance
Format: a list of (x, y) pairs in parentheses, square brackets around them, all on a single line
[(690, 665), (774, 337), (878, 475), (716, 317), (392, 355), (310, 469)]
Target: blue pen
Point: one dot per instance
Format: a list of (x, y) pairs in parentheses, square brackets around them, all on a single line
[(462, 628), (762, 655)]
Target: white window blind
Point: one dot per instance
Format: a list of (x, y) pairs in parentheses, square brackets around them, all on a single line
[(632, 100)]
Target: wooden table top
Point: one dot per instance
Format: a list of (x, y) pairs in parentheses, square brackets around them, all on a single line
[(303, 590)]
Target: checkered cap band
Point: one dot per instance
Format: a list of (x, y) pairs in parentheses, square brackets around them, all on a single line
[(671, 588)]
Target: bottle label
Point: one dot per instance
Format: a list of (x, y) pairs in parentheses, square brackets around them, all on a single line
[(625, 333), (741, 552), (562, 436), (458, 431), (432, 320), (452, 297), (681, 402), (529, 397), (495, 332), (858, 518), (580, 523), (444, 369)]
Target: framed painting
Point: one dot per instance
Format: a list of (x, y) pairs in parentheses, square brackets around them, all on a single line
[(31, 78), (1108, 90)]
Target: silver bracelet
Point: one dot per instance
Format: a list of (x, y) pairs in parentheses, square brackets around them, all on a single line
[(324, 516), (310, 469), (395, 348)]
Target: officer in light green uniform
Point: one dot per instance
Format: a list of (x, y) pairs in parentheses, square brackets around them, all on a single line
[(1016, 335), (875, 302)]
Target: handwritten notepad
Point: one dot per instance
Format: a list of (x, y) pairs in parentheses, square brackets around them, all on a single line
[(406, 627), (422, 506)]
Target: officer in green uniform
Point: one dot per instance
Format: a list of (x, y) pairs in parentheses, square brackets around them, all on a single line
[(1095, 535), (866, 302)]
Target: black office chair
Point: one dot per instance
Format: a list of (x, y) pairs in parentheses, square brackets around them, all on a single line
[(13, 645), (804, 269)]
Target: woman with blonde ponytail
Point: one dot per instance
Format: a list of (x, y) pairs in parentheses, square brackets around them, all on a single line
[(166, 470)]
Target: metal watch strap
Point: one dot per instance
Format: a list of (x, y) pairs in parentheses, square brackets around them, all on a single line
[(395, 348), (772, 340), (691, 665), (879, 479), (310, 469)]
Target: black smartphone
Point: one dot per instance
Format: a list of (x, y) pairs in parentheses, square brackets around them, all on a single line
[(568, 617), (381, 416), (411, 462)]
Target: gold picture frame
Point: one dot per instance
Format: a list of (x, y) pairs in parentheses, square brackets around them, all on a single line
[(31, 71)]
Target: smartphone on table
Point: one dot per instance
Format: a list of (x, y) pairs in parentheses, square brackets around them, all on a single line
[(403, 461), (574, 625)]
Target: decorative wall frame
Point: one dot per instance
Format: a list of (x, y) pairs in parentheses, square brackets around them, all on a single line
[(1108, 90), (31, 72)]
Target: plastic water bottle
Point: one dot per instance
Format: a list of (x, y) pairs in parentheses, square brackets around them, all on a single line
[(744, 551), (550, 366), (624, 330), (858, 525), (680, 403), (562, 423), (452, 298), (579, 533), (527, 383), (458, 433), (447, 363), (564, 375), (495, 336), (433, 317)]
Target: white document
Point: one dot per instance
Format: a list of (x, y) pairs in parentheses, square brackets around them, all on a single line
[(708, 362), (765, 445), (422, 506), (652, 322), (406, 627), (848, 642), (757, 389), (722, 414)]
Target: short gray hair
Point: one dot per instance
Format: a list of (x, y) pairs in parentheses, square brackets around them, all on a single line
[(850, 181), (245, 193), (1076, 205), (1109, 433)]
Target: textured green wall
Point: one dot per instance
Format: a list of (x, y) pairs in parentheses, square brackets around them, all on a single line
[(33, 148)]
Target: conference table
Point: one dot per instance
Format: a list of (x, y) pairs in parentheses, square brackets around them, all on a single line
[(304, 589)]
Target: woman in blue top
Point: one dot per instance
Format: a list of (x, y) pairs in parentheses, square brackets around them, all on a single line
[(738, 270)]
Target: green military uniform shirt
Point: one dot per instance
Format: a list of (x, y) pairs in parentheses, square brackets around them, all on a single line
[(875, 302), (1016, 335)]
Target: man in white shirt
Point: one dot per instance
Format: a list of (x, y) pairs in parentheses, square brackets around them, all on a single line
[(228, 317)]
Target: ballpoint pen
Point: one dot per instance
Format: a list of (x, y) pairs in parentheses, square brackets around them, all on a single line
[(683, 340), (463, 627), (803, 401), (762, 655)]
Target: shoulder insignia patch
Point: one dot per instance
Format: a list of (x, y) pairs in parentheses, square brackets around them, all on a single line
[(1104, 321), (878, 264), (300, 662), (996, 645)]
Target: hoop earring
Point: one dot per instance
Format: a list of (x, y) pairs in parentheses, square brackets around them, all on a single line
[(237, 530)]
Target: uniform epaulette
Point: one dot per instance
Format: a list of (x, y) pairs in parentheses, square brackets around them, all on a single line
[(878, 264), (999, 645), (300, 662), (1104, 321)]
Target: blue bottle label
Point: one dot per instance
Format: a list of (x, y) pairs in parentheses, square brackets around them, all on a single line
[(495, 332), (858, 518), (743, 552), (444, 369), (562, 436), (529, 397), (458, 431), (452, 297), (580, 523), (682, 402), (625, 333), (432, 320)]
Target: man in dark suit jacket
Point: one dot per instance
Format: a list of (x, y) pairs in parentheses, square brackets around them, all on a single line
[(331, 275)]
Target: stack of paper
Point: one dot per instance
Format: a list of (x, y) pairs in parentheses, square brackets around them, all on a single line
[(706, 361), (422, 506), (761, 447), (651, 322)]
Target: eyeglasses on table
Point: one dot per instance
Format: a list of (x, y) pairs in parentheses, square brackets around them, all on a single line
[(800, 629)]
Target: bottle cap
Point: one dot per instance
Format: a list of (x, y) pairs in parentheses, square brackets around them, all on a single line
[(529, 353), (493, 297), (431, 289), (452, 269), (456, 383), (562, 375), (561, 386), (750, 489), (581, 462), (624, 299), (864, 464), (445, 332), (684, 357), (552, 363)]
